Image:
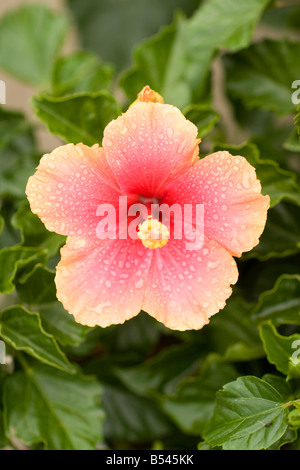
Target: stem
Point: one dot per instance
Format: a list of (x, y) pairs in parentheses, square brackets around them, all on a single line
[(291, 403)]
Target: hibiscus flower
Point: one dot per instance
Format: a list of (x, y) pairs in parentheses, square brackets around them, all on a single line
[(149, 156)]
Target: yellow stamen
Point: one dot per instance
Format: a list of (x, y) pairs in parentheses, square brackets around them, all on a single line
[(153, 234)]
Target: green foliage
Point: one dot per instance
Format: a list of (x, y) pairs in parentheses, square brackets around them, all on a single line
[(17, 150), (235, 384), (93, 112), (176, 62), (250, 414), (80, 72), (39, 408), (262, 75), (30, 39), (281, 304), (192, 403), (279, 184), (23, 330), (99, 21), (203, 116), (278, 349)]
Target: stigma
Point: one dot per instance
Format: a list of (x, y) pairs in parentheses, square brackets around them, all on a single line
[(153, 234)]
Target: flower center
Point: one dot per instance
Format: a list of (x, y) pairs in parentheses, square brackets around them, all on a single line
[(153, 234)]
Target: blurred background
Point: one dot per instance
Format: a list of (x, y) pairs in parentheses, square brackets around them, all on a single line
[(18, 93), (229, 66), (113, 28)]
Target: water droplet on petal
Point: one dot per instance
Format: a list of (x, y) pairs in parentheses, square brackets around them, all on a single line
[(213, 264), (139, 284), (170, 133)]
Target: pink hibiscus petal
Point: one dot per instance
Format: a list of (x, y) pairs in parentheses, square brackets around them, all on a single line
[(185, 288), (102, 282), (68, 186), (148, 146), (235, 211)]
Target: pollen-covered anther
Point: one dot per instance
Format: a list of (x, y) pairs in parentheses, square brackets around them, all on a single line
[(153, 234)]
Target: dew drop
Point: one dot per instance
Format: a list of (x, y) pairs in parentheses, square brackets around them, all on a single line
[(139, 284), (170, 133), (213, 264)]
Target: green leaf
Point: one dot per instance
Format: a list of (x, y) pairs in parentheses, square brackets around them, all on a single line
[(276, 182), (14, 258), (163, 371), (93, 112), (37, 287), (280, 384), (294, 419), (281, 304), (138, 335), (152, 60), (281, 236), (269, 132), (289, 436), (292, 143), (3, 439), (132, 418), (176, 62), (17, 150), (204, 117), (262, 75), (232, 334), (99, 23), (280, 184), (2, 223), (30, 38), (23, 331), (9, 235), (287, 16), (249, 415), (38, 290), (34, 232), (78, 72), (191, 405), (281, 350), (43, 405), (61, 324), (12, 123)]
